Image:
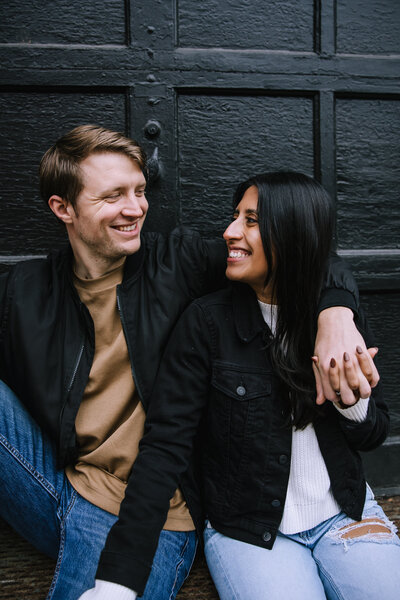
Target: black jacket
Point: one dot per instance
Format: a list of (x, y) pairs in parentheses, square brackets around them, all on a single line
[(216, 375), (47, 341)]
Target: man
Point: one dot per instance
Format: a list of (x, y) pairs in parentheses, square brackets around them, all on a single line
[(82, 334)]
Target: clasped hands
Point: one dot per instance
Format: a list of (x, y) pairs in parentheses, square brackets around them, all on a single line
[(343, 367)]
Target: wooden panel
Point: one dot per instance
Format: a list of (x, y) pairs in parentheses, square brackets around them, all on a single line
[(383, 310), (256, 24), (225, 139), (368, 172), (368, 26), (30, 122), (62, 22)]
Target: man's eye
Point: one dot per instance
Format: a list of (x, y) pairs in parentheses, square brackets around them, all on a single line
[(140, 192), (112, 197)]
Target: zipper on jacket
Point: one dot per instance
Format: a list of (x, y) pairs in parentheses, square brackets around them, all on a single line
[(78, 360), (121, 316)]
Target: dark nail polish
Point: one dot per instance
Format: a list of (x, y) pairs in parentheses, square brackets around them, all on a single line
[(359, 350), (346, 357), (333, 363)]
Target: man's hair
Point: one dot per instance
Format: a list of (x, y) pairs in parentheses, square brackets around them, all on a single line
[(59, 169)]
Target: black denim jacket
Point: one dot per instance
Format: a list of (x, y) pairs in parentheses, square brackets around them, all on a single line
[(216, 375)]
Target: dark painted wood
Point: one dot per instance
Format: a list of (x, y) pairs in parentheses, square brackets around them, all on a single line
[(63, 22), (235, 87), (274, 25)]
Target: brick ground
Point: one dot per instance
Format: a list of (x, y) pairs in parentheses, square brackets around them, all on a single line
[(25, 574)]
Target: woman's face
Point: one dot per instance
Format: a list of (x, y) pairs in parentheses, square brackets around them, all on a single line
[(246, 259)]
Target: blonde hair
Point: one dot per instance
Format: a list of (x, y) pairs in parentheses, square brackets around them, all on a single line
[(59, 169)]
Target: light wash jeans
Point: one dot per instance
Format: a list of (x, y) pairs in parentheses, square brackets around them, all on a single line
[(317, 564), (38, 501)]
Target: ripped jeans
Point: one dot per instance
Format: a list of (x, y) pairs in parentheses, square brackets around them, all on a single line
[(336, 560)]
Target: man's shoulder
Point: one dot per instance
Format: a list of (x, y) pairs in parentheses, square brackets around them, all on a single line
[(35, 270), (177, 237)]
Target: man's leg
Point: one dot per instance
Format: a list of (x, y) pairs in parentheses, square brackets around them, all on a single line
[(38, 501), (30, 484), (172, 563)]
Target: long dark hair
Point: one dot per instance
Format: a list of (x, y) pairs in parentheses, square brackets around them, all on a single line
[(296, 220)]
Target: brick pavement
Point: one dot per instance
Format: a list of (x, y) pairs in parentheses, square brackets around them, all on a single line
[(25, 574)]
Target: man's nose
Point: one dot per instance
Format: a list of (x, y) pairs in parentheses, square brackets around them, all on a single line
[(133, 206)]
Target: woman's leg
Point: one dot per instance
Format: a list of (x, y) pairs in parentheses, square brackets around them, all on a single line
[(360, 561), (245, 572)]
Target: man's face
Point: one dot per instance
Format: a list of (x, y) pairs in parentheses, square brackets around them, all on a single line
[(109, 212)]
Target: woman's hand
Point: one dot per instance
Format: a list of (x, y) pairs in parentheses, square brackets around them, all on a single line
[(343, 367)]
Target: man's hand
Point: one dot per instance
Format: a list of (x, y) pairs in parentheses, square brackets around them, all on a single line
[(106, 590), (343, 367)]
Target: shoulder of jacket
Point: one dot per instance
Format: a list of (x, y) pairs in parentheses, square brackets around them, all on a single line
[(222, 297)]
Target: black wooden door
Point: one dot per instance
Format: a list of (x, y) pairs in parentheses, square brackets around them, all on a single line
[(217, 90)]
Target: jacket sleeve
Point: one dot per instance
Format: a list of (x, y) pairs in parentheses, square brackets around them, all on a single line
[(173, 417), (371, 432), (339, 287)]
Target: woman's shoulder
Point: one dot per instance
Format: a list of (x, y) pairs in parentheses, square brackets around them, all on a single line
[(222, 297)]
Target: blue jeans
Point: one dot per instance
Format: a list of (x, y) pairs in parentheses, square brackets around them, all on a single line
[(38, 501), (318, 564)]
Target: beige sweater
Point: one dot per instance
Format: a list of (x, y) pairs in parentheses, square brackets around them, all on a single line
[(110, 420)]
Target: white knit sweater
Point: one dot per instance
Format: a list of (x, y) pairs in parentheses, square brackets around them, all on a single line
[(309, 499)]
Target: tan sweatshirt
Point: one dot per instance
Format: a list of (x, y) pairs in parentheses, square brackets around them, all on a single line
[(110, 420)]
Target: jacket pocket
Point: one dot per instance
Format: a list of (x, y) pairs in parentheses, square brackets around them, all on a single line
[(237, 426)]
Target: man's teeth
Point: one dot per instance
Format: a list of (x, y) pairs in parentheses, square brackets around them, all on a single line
[(237, 254), (127, 227)]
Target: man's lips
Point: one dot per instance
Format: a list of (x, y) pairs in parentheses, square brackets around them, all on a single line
[(127, 228)]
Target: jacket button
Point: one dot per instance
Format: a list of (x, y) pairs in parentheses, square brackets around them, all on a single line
[(266, 536), (275, 503), (240, 390), (283, 459)]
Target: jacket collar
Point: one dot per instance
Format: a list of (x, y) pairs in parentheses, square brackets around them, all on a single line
[(134, 262), (249, 321)]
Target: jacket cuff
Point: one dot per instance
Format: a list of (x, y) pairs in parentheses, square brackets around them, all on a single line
[(124, 570), (337, 297)]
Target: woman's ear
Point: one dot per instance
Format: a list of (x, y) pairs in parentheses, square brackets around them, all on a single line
[(61, 208)]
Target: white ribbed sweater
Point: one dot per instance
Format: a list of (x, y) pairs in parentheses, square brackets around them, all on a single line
[(309, 499)]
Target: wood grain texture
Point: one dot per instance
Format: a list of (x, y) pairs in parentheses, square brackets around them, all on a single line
[(63, 22)]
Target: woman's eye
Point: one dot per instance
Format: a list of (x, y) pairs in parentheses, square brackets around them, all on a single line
[(252, 221)]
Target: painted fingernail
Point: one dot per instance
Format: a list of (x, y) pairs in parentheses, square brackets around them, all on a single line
[(346, 357), (333, 363), (359, 350)]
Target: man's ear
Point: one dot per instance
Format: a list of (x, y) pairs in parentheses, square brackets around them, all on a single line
[(61, 208)]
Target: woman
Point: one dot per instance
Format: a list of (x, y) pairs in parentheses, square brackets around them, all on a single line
[(289, 514)]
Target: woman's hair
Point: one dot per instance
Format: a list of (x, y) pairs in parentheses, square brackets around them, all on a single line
[(296, 221)]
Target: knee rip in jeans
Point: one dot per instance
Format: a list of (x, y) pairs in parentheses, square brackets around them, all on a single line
[(370, 529)]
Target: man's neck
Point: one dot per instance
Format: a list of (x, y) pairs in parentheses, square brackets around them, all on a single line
[(96, 269)]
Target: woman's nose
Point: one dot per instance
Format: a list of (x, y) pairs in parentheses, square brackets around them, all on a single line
[(233, 231)]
